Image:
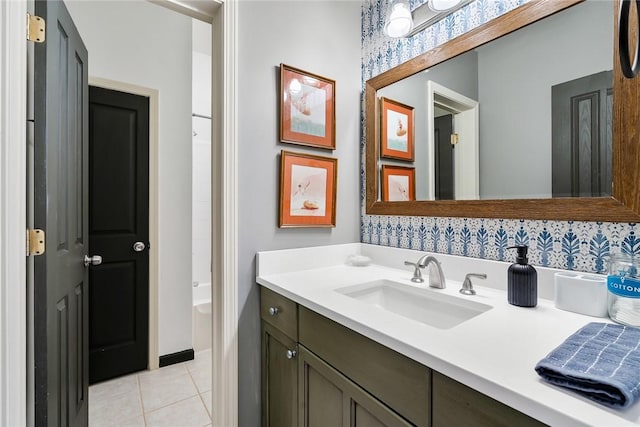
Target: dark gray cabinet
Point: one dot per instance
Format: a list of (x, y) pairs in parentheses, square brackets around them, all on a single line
[(399, 382), (279, 360), (318, 373), (279, 378), (455, 404), (328, 398)]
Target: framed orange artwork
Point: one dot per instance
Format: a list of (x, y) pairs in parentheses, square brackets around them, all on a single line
[(396, 130), (307, 108), (307, 190), (398, 184)]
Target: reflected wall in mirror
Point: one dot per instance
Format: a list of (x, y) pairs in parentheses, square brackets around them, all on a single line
[(519, 153), (501, 100)]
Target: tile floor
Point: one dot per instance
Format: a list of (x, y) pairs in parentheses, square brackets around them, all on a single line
[(174, 396)]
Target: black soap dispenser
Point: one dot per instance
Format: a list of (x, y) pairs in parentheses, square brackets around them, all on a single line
[(522, 278)]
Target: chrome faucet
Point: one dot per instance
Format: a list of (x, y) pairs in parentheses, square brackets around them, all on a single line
[(436, 275)]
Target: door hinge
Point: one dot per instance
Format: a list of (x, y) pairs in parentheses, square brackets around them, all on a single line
[(35, 29), (35, 242), (454, 138)]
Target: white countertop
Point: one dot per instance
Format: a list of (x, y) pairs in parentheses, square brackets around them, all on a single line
[(494, 352)]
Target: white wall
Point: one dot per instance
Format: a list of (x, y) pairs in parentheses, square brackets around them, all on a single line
[(201, 211), (201, 164), (147, 45), (515, 109), (459, 74), (201, 102), (322, 37)]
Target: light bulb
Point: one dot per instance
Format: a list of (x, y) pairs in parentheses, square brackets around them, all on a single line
[(442, 5), (400, 21)]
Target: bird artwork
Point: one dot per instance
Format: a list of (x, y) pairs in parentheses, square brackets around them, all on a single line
[(398, 188), (301, 104), (308, 190), (401, 130)]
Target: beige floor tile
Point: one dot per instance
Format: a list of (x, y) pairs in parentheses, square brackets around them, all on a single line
[(115, 410), (207, 398), (163, 373), (202, 378), (133, 422), (112, 388), (186, 413), (202, 360), (162, 390)]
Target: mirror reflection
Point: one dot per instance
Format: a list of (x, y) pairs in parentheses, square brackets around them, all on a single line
[(526, 116)]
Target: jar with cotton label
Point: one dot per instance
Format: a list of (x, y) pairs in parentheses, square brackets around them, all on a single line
[(623, 286)]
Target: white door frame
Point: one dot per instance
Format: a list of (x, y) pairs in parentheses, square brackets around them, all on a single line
[(13, 205), (13, 305), (224, 208)]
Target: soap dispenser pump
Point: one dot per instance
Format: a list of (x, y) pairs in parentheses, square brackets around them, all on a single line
[(522, 278)]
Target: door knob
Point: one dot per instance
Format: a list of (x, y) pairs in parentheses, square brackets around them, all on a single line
[(139, 246), (94, 260)]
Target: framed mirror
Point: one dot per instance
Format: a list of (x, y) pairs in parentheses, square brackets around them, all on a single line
[(500, 179)]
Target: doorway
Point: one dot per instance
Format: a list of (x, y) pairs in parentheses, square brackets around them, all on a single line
[(464, 158), (14, 308), (444, 155)]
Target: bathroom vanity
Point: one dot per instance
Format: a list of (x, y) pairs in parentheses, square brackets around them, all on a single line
[(332, 356), (324, 374)]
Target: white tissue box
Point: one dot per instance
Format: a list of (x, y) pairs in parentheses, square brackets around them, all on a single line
[(581, 293)]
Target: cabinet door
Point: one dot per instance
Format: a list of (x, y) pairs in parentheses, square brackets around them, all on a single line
[(401, 383), (329, 399), (279, 379), (455, 404)]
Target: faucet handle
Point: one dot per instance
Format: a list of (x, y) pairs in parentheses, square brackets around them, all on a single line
[(417, 274), (467, 286)]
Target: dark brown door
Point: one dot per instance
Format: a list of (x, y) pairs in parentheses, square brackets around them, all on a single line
[(60, 208), (444, 160), (119, 232), (582, 118)]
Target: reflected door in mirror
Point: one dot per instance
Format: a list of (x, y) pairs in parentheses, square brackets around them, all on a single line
[(582, 136)]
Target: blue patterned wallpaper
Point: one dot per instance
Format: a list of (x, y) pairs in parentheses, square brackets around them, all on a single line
[(571, 245)]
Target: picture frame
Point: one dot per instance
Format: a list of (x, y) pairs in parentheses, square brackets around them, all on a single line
[(307, 190), (398, 183), (307, 108), (396, 130)]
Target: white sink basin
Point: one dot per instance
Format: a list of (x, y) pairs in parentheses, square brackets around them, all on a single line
[(422, 305)]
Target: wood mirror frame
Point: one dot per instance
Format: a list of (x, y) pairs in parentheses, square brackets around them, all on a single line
[(623, 206)]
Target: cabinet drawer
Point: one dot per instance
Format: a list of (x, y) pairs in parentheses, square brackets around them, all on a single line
[(399, 382), (455, 404), (279, 312)]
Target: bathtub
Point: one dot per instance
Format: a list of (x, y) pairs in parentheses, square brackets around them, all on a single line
[(201, 316)]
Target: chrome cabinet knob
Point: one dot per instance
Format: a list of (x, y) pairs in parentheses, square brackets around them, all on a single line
[(273, 311), (291, 354), (94, 260), (139, 246)]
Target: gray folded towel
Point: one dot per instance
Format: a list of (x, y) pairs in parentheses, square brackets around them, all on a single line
[(601, 362)]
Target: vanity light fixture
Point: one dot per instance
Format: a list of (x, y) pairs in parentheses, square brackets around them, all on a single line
[(402, 22), (399, 22), (442, 5)]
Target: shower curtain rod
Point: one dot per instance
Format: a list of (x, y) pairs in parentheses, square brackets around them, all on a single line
[(200, 116)]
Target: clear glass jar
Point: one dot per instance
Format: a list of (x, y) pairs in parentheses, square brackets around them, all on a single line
[(623, 286)]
